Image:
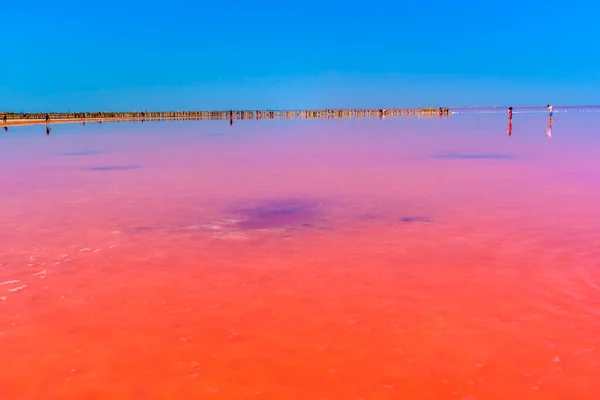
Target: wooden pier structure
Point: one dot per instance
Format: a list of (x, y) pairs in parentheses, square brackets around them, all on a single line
[(75, 117)]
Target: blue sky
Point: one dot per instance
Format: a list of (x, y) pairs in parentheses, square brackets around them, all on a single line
[(177, 55)]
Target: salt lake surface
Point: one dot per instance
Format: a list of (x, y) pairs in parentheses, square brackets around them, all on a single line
[(305, 259)]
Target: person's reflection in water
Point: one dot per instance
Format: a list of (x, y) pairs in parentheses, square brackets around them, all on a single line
[(549, 129), (6, 128), (48, 130)]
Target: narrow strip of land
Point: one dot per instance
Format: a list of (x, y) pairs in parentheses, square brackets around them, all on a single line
[(9, 119)]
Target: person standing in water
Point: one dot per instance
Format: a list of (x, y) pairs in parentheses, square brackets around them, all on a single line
[(510, 113), (550, 109)]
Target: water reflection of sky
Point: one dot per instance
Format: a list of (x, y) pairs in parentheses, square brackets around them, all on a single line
[(202, 248)]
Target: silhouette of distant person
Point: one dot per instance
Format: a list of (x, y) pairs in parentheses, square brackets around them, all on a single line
[(509, 128), (549, 129), (47, 117), (510, 113), (4, 119)]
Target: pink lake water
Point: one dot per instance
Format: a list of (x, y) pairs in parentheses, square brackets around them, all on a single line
[(303, 259)]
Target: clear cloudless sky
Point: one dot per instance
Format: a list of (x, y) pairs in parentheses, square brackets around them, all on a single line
[(180, 55)]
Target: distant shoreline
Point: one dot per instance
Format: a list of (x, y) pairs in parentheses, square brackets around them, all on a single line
[(20, 119), (24, 119)]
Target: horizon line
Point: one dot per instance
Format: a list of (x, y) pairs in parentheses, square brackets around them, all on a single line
[(302, 109)]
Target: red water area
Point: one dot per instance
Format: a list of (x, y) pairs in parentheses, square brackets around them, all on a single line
[(323, 259)]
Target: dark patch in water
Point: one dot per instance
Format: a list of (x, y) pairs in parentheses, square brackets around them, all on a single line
[(145, 228), (114, 168), (474, 156), (409, 220), (84, 153), (370, 217), (278, 213)]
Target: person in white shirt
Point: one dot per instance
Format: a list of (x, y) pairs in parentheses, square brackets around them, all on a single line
[(550, 107)]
